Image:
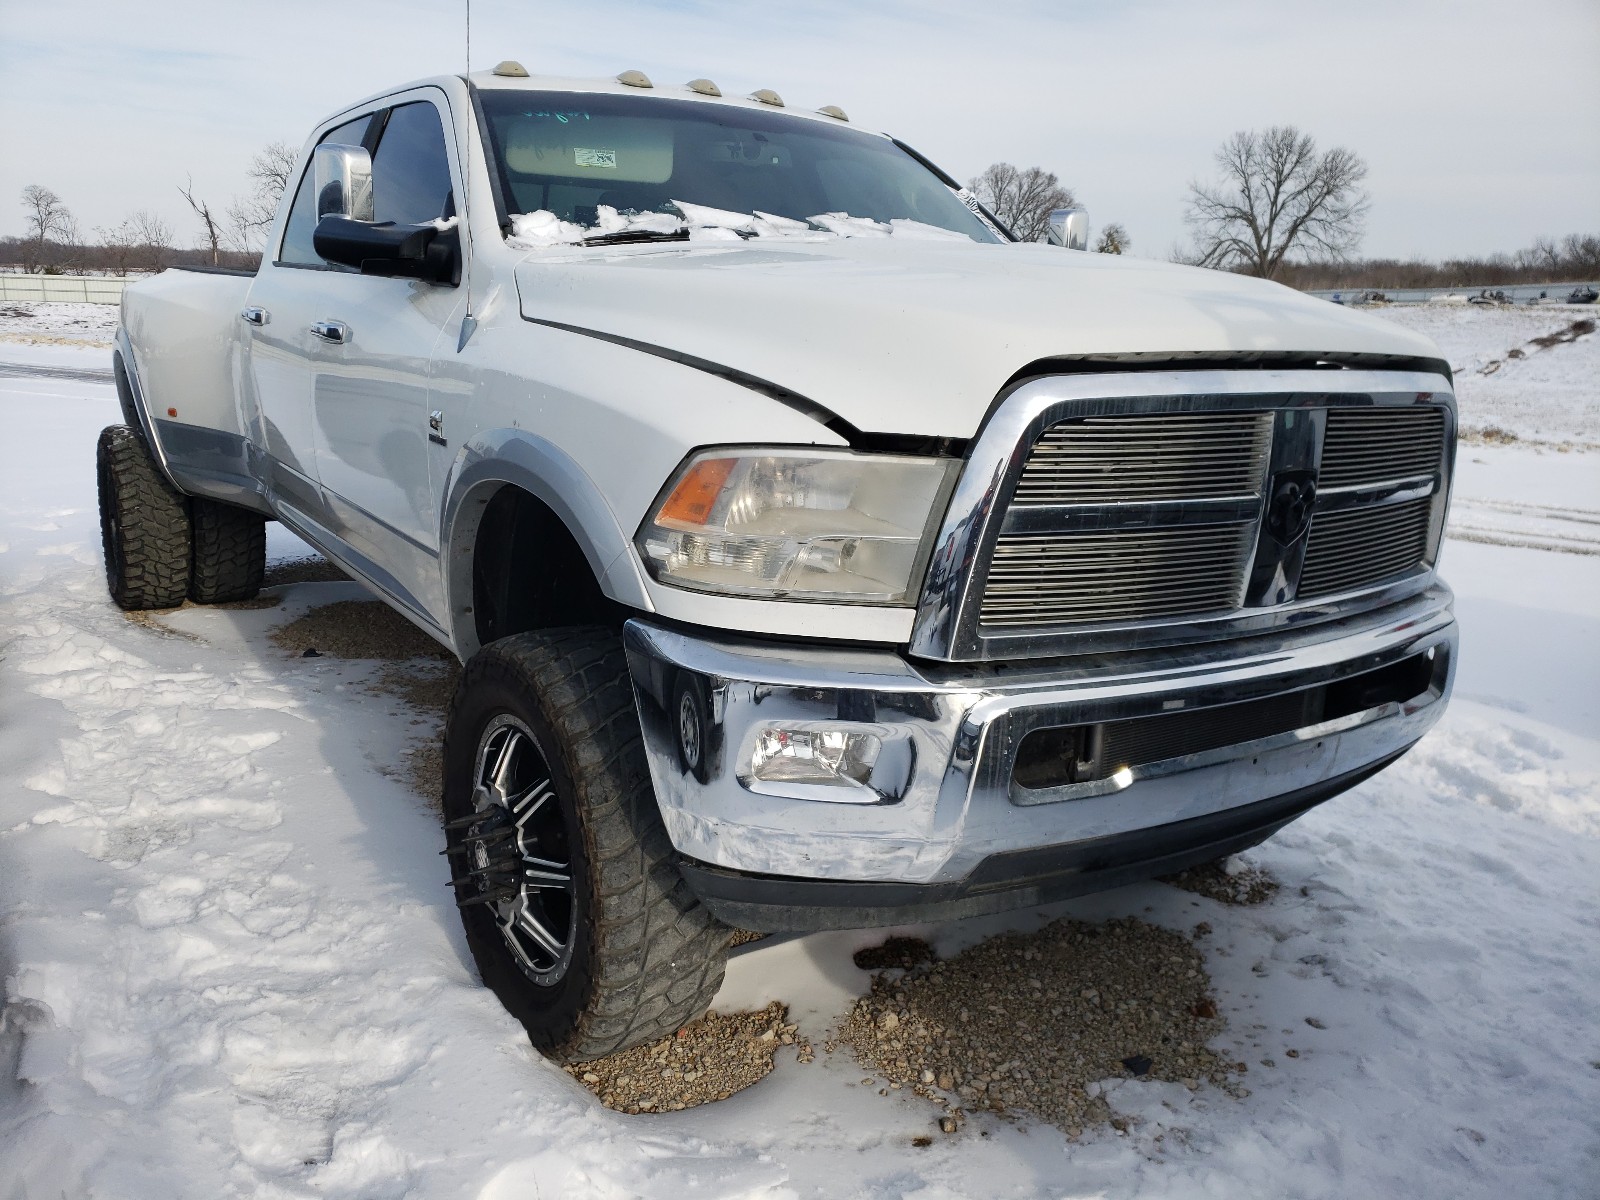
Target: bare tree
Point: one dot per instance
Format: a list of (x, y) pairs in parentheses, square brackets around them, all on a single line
[(1023, 199), (1277, 196), (1582, 250), (213, 229), (1114, 239), (1541, 256), (49, 221), (250, 217), (117, 246), (152, 239)]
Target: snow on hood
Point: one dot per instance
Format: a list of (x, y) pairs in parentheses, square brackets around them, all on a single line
[(913, 336)]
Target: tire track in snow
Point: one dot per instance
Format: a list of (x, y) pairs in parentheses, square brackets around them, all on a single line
[(1560, 529), (11, 370)]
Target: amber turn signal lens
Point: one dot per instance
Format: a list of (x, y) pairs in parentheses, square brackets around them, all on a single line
[(693, 499)]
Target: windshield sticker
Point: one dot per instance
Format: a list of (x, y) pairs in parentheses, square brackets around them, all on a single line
[(595, 158)]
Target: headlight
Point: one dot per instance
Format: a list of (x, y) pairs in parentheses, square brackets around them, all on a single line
[(796, 524)]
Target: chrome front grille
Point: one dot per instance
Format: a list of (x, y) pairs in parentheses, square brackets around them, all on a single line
[(1147, 456), (1151, 517), (1134, 509), (1124, 575), (1362, 547), (1364, 446)]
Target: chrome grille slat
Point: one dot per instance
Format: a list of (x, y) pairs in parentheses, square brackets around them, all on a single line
[(1147, 456), (1137, 574), (1366, 446), (1364, 546)]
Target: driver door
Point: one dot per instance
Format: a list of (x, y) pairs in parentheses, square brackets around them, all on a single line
[(372, 366)]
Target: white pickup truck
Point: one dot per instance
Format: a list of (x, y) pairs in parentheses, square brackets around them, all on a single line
[(820, 555)]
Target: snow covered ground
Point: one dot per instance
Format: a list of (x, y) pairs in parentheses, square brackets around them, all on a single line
[(231, 968), (1505, 378)]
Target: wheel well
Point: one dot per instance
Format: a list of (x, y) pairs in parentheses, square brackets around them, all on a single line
[(130, 410), (528, 572)]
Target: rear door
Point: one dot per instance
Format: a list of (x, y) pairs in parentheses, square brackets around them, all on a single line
[(277, 316)]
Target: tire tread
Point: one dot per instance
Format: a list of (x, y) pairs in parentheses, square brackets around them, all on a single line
[(149, 520), (228, 558), (659, 954)]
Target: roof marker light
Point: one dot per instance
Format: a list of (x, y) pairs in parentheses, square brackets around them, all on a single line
[(704, 86), (767, 96), (635, 79), (834, 111), (511, 69)]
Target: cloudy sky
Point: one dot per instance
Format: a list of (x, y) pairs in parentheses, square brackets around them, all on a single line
[(1477, 117)]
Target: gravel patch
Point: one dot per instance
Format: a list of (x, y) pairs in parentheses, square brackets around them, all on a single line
[(357, 629), (707, 1060), (1229, 880), (417, 670), (1031, 1023), (1490, 435), (311, 568), (900, 952)]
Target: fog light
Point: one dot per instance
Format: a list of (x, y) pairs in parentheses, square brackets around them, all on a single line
[(832, 757)]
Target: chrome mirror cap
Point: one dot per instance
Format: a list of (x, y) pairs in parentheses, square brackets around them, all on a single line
[(1068, 227), (343, 178)]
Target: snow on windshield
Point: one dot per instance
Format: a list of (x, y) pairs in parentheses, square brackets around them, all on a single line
[(718, 169), (544, 228)]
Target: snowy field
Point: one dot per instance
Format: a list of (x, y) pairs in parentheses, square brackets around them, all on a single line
[(231, 967)]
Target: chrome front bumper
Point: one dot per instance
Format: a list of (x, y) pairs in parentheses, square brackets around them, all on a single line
[(943, 801)]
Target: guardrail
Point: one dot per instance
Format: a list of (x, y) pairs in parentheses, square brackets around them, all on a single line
[(71, 289), (1514, 293)]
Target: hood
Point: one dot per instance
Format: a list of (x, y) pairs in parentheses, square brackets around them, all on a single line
[(912, 337)]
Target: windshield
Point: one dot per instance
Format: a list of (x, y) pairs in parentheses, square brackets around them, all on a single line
[(572, 154)]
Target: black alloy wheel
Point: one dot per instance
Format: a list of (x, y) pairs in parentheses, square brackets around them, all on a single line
[(517, 848)]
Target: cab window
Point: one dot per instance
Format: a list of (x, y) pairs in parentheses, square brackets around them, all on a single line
[(297, 250), (411, 170)]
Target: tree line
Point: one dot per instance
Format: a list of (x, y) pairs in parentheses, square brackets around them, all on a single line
[(1572, 259), (227, 236)]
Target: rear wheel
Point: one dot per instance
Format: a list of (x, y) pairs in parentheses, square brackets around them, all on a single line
[(228, 555), (576, 916), (144, 524)]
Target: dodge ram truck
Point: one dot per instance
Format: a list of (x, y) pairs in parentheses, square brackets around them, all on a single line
[(819, 554)]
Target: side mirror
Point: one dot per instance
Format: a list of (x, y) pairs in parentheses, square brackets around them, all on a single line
[(342, 176), (1068, 227), (423, 252)]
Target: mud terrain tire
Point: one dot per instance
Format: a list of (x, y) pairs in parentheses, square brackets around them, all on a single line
[(641, 955), (228, 552), (144, 525)]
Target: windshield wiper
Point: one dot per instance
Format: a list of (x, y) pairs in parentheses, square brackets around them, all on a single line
[(621, 237)]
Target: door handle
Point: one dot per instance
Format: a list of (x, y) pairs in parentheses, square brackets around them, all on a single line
[(331, 331), (256, 315)]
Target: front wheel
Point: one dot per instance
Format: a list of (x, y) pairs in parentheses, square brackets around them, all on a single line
[(574, 912)]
